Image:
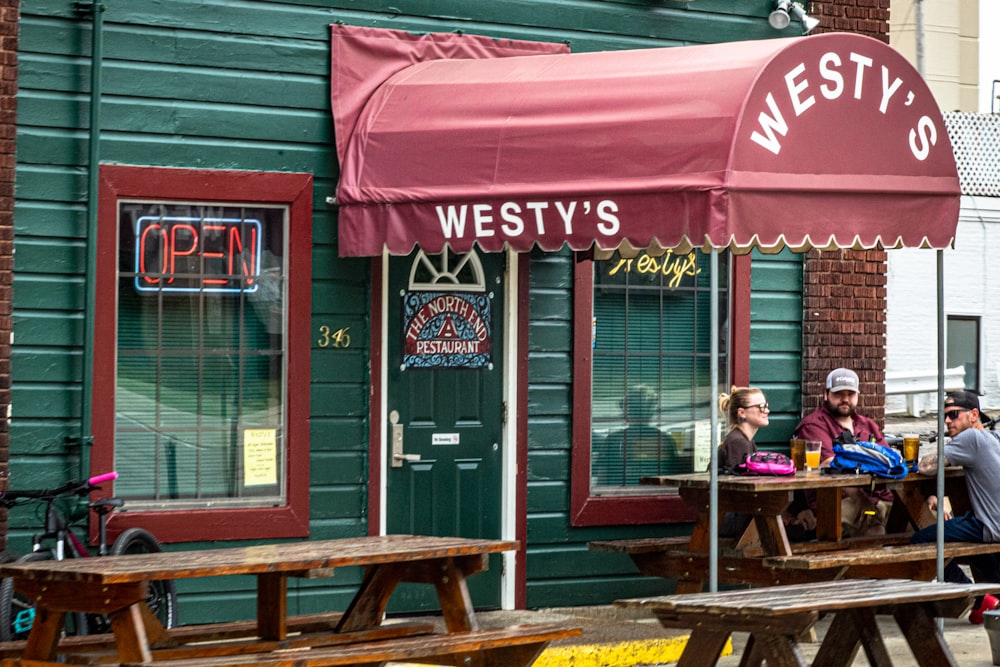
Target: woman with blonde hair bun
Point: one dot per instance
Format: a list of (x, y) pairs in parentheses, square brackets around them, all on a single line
[(747, 410)]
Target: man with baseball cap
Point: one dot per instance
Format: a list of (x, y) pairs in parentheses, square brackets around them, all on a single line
[(838, 418), (978, 452)]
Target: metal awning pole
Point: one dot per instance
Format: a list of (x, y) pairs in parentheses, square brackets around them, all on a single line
[(713, 467), (940, 413)]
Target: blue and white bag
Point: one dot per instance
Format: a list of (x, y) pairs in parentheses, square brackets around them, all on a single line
[(868, 458)]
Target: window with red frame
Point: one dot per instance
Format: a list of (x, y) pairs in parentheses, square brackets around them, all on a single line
[(202, 353), (644, 323)]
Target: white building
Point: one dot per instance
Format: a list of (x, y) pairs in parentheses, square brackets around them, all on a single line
[(960, 47)]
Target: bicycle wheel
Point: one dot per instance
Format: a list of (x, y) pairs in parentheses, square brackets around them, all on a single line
[(17, 613), (162, 598), (6, 557)]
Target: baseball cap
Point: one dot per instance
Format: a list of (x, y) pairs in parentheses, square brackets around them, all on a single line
[(962, 399), (842, 379)]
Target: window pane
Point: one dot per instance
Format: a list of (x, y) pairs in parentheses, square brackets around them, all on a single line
[(651, 380), (199, 393), (963, 348)]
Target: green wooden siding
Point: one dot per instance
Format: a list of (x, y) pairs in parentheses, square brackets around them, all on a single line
[(776, 342), (217, 84)]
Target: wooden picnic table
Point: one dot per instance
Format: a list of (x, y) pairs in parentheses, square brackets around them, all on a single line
[(776, 617), (117, 586), (763, 555), (768, 496)]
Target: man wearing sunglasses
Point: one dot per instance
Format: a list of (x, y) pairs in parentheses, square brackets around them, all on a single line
[(838, 420), (978, 452)]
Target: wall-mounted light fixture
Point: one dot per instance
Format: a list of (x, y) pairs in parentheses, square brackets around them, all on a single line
[(808, 22), (781, 16)]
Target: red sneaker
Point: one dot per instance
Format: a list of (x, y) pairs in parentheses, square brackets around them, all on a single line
[(989, 603)]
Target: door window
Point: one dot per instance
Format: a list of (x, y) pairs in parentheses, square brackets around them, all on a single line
[(462, 272)]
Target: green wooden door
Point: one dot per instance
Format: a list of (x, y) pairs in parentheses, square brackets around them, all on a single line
[(445, 395)]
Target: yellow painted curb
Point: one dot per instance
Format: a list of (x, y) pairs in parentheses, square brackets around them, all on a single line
[(620, 654)]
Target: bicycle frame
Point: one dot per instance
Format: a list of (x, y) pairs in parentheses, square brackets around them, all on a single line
[(59, 530)]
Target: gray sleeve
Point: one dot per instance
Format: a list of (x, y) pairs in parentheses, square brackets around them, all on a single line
[(961, 450)]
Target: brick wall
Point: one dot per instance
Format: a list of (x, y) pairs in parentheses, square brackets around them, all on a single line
[(865, 17), (844, 292), (8, 108)]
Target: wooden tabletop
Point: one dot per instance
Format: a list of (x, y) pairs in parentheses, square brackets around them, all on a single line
[(290, 557), (800, 480), (756, 483), (817, 596)]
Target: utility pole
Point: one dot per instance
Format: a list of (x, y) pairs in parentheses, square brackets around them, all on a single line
[(918, 13)]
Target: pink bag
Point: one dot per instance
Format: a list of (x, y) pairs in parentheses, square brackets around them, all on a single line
[(765, 463)]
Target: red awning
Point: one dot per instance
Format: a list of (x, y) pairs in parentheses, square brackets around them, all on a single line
[(832, 140)]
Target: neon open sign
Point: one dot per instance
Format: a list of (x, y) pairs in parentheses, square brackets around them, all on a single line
[(182, 254)]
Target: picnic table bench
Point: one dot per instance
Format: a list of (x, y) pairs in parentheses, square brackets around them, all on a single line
[(225, 638), (876, 557), (497, 647), (776, 617), (117, 586)]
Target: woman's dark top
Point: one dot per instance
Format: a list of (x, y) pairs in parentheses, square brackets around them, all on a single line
[(734, 448)]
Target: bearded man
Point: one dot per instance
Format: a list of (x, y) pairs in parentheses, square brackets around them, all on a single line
[(862, 513)]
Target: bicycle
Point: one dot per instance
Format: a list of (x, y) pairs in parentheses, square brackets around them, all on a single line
[(59, 541)]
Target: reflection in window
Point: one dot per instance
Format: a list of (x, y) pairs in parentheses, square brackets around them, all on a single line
[(199, 394), (651, 342)]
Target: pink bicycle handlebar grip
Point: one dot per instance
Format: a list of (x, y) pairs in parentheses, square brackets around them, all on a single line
[(106, 477)]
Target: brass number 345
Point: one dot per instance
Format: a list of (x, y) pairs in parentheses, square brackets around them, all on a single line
[(338, 338)]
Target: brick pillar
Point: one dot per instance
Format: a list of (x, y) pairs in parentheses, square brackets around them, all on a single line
[(844, 291), (843, 324), (9, 10)]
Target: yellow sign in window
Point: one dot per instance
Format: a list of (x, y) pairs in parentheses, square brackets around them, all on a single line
[(260, 457)]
